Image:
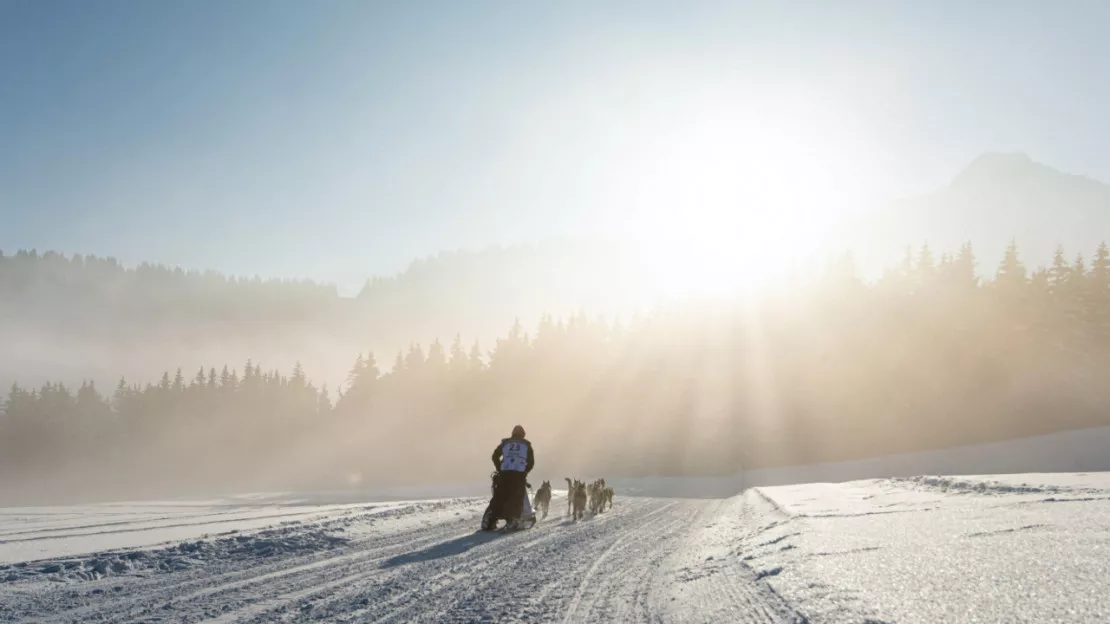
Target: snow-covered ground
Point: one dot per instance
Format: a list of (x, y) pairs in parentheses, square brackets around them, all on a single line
[(418, 561), (1018, 548), (891, 547), (31, 533)]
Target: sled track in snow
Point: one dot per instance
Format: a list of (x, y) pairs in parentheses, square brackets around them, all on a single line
[(630, 564), (201, 593)]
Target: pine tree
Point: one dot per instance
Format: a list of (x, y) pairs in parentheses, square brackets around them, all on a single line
[(370, 372), (1079, 278), (1098, 282), (89, 403), (323, 401), (964, 268), (120, 396), (459, 362), (437, 357), (355, 375), (509, 351), (1011, 272), (1040, 284), (907, 271), (14, 403), (1059, 274), (545, 330), (517, 335), (415, 359), (477, 363), (926, 267)]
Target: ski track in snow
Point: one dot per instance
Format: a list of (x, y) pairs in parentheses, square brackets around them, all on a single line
[(417, 562)]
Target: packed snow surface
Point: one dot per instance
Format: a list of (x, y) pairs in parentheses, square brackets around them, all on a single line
[(1015, 548)]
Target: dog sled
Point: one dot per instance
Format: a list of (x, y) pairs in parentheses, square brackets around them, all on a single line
[(527, 516)]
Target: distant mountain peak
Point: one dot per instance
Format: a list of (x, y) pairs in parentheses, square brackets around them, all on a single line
[(1018, 172), (1004, 157), (1000, 167)]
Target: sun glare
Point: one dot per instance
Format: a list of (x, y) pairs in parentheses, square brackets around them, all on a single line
[(733, 203)]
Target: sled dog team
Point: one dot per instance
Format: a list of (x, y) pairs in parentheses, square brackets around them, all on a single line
[(594, 496), (513, 459)]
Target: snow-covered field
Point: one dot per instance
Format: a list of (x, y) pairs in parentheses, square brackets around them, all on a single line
[(31, 533), (1019, 548), (417, 561), (888, 548), (1014, 548)]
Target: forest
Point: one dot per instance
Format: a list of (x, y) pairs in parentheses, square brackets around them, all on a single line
[(934, 353), (149, 290), (68, 317)]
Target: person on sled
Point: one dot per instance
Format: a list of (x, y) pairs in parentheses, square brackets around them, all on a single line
[(513, 458)]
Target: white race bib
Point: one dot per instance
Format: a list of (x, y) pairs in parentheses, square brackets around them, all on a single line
[(514, 456)]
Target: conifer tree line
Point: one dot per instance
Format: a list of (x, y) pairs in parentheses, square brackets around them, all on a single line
[(148, 292), (29, 270), (931, 354)]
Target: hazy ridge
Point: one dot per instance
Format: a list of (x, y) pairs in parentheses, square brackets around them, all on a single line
[(75, 317)]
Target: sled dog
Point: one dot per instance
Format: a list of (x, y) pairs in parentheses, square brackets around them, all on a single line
[(543, 499)]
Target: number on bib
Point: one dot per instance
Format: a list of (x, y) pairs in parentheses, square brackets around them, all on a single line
[(514, 457)]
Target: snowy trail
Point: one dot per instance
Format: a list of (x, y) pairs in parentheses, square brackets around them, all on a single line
[(423, 561), (1017, 548)]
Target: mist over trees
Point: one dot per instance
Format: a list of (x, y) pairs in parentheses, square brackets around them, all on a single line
[(932, 354), (996, 197), (68, 318)]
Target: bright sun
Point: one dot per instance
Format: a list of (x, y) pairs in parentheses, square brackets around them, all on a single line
[(731, 203)]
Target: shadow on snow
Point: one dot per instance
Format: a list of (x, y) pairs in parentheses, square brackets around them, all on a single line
[(449, 548)]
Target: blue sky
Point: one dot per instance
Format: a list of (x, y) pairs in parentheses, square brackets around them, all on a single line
[(339, 139)]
